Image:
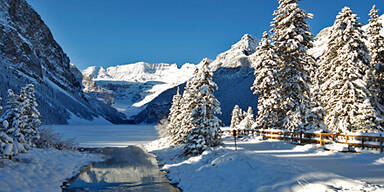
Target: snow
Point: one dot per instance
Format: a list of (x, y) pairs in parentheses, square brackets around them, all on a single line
[(270, 166), (321, 41), (106, 135), (135, 85), (46, 169), (237, 55), (42, 169)]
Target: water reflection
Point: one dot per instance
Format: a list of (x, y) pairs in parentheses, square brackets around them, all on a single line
[(127, 169)]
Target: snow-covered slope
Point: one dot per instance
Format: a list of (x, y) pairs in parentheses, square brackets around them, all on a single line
[(320, 43), (232, 74), (237, 56), (134, 85), (141, 72), (29, 54)]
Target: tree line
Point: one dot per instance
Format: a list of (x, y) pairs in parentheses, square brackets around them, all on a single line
[(341, 91)]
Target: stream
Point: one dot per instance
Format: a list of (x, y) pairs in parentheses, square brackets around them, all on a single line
[(125, 169)]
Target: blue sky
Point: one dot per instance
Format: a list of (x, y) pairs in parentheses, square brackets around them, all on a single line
[(112, 32)]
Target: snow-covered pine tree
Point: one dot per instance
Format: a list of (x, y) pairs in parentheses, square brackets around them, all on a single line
[(291, 39), (188, 103), (376, 49), (16, 142), (248, 120), (6, 142), (174, 118), (345, 75), (206, 131), (236, 117), (29, 115), (265, 62), (241, 114)]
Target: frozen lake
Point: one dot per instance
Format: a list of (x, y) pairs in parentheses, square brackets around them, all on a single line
[(107, 135)]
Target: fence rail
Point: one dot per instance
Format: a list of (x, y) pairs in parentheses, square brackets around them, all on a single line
[(357, 141)]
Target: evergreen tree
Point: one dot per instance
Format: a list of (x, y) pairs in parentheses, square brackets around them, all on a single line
[(345, 75), (376, 49), (292, 38), (236, 117), (265, 85), (16, 142), (188, 103), (248, 120), (6, 142), (29, 115), (174, 118), (206, 126)]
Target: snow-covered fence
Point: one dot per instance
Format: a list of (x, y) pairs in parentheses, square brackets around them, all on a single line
[(359, 140)]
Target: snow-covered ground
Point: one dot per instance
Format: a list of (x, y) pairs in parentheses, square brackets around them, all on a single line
[(46, 169), (42, 170), (271, 166)]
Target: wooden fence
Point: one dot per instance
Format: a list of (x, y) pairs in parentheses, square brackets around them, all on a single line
[(355, 141)]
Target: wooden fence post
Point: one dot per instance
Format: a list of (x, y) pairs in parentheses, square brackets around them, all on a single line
[(362, 142), (321, 139), (381, 144), (301, 137)]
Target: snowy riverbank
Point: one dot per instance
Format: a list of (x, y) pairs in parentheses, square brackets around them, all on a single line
[(42, 169), (271, 166), (46, 169)]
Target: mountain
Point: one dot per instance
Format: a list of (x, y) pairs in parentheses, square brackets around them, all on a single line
[(134, 85), (233, 75), (320, 43), (29, 54), (237, 56)]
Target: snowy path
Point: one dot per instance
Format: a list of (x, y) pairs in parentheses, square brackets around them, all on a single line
[(272, 166), (367, 167), (107, 135), (125, 169)]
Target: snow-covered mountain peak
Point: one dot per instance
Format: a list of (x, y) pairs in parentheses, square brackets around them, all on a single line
[(94, 72), (238, 54), (141, 72), (320, 43), (247, 42)]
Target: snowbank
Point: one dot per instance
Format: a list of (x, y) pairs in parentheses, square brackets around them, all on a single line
[(42, 169), (270, 166)]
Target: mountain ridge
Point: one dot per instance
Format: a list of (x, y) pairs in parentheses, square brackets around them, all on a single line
[(30, 54)]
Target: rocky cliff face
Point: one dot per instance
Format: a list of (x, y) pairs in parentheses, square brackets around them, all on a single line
[(29, 54)]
